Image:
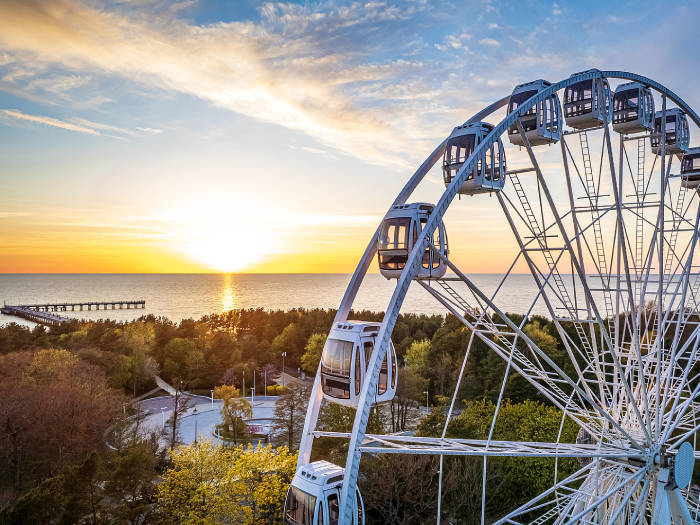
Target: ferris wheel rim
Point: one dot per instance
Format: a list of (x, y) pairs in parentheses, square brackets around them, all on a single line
[(411, 267)]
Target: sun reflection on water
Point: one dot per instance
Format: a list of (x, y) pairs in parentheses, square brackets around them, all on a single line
[(227, 298)]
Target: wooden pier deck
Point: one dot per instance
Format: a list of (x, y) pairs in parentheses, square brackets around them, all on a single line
[(41, 312), (34, 315), (85, 305)]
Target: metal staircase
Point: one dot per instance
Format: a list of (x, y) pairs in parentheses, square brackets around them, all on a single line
[(593, 196)]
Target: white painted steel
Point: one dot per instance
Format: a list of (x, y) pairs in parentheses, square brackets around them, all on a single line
[(626, 311)]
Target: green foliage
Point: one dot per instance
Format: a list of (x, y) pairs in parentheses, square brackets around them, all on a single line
[(312, 353), (418, 357), (209, 484), (515, 480), (234, 411), (290, 412), (276, 390)]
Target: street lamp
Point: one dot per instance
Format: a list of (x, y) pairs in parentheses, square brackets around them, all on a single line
[(265, 379), (195, 413), (252, 396), (212, 398), (243, 390), (284, 354), (426, 401), (162, 413)]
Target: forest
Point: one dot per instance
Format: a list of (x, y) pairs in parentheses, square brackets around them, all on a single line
[(64, 389)]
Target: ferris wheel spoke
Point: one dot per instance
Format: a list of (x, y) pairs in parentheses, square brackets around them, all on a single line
[(546, 381), (628, 483), (626, 504), (561, 492), (671, 365), (581, 274), (399, 444), (544, 282), (537, 376)]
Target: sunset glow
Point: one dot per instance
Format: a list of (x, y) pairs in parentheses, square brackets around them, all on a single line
[(149, 137)]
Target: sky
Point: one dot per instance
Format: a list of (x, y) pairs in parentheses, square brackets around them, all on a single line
[(202, 136)]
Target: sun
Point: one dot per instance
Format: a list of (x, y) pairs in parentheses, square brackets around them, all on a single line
[(227, 253), (223, 236)]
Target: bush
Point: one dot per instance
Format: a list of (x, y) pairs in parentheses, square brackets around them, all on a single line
[(277, 390)]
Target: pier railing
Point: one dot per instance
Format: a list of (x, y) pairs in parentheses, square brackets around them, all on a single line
[(41, 312)]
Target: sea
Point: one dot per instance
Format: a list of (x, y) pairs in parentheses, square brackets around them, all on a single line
[(181, 296)]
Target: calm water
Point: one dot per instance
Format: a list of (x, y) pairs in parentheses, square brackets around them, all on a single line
[(180, 296)]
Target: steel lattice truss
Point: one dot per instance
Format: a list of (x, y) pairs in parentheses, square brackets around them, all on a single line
[(609, 236)]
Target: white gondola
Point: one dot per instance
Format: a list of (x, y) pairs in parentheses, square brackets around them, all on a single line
[(344, 362), (677, 132), (314, 496), (633, 108), (588, 103), (690, 168), (489, 174), (398, 235), (543, 122)]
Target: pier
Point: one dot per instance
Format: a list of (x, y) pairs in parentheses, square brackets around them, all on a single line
[(85, 305), (42, 313)]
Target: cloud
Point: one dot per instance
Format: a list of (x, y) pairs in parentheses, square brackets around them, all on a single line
[(153, 131), (282, 70), (556, 10), (103, 127), (493, 26), (48, 121), (491, 42), (76, 124)]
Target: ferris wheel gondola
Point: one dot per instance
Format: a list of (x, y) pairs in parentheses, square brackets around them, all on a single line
[(587, 103), (542, 122), (489, 173), (398, 235), (690, 168), (344, 360), (633, 108), (610, 243), (677, 132)]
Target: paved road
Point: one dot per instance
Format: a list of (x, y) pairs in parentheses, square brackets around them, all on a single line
[(207, 417)]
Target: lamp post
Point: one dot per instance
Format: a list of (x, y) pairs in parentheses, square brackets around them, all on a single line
[(195, 413), (284, 354), (212, 398), (252, 396), (265, 379), (162, 413), (243, 390), (427, 408)]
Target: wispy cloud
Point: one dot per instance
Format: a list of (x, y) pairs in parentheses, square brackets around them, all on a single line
[(47, 121), (79, 125), (491, 42), (333, 70)]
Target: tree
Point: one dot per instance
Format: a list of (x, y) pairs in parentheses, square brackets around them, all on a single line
[(398, 489), (513, 480), (409, 390), (233, 411), (291, 340), (55, 410), (312, 353), (181, 403), (131, 475), (290, 411), (418, 357), (210, 484)]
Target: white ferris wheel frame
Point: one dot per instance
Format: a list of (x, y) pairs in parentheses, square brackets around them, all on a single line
[(441, 446)]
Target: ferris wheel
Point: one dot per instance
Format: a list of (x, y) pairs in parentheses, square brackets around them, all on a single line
[(600, 197)]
